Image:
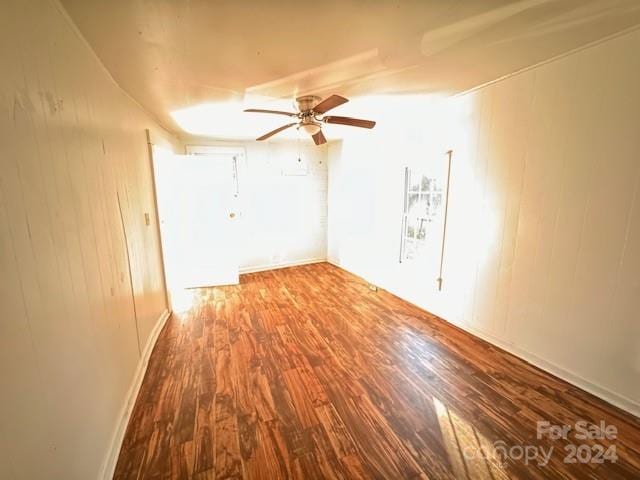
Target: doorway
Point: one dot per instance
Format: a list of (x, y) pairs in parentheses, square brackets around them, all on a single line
[(198, 207)]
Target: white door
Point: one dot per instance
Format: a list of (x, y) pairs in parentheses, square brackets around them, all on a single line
[(197, 204)]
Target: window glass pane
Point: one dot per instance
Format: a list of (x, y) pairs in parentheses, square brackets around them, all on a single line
[(421, 230), (419, 206), (411, 227), (426, 183), (414, 181), (413, 199), (409, 249), (436, 202)]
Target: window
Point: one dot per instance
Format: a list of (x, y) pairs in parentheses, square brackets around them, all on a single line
[(421, 222), (237, 153)]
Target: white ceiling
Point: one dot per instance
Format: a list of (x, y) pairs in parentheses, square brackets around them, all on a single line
[(195, 64)]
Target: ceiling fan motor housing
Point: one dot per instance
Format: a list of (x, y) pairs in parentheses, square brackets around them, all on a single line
[(308, 122), (307, 102)]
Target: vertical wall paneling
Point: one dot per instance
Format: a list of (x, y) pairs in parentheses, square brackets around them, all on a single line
[(543, 237), (71, 143)]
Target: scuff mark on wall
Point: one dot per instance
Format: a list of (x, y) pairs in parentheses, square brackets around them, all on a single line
[(55, 104), (22, 101)]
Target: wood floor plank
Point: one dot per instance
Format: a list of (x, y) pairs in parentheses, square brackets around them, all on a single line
[(305, 373)]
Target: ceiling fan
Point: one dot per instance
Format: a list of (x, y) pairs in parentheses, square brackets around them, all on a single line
[(311, 116)]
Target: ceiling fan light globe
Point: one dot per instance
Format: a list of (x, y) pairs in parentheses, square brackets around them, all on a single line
[(310, 128)]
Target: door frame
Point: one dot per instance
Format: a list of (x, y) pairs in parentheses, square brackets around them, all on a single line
[(156, 151)]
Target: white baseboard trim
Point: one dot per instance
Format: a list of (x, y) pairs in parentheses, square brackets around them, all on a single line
[(336, 264), (582, 383), (274, 266), (109, 465), (574, 379)]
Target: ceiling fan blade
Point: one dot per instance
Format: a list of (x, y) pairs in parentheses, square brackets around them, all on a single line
[(354, 122), (277, 130), (328, 103), (277, 112), (319, 138)]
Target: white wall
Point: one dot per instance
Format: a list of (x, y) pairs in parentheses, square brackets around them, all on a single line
[(284, 202), (543, 244), (71, 143)]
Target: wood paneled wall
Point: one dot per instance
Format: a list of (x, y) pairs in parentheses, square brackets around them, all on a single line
[(79, 265), (543, 246), (555, 155)]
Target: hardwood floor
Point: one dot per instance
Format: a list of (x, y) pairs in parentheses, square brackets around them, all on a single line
[(306, 373)]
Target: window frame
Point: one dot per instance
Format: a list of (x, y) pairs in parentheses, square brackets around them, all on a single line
[(430, 193)]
